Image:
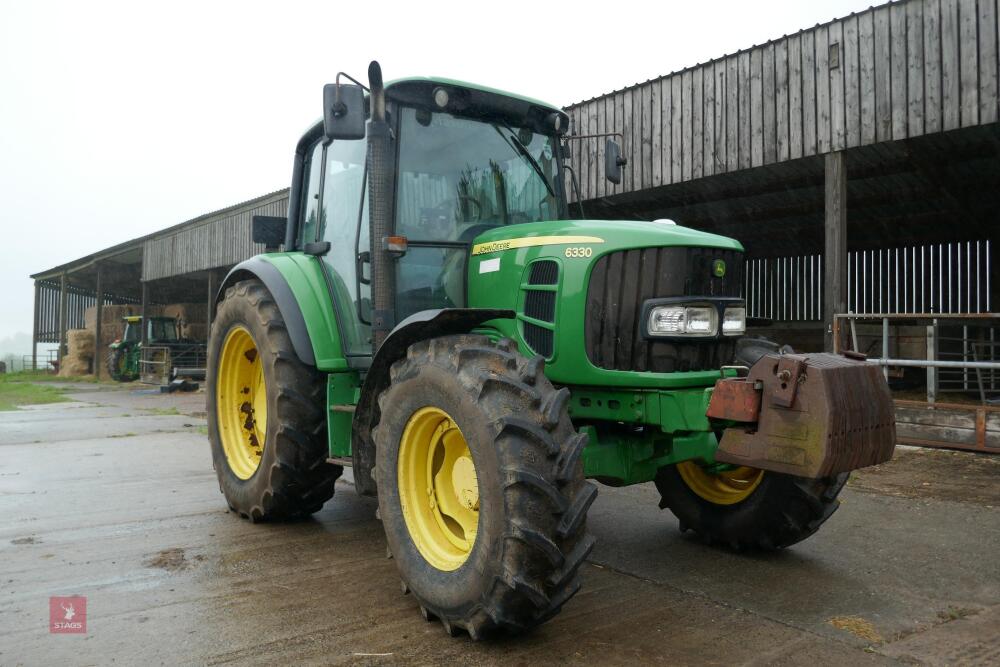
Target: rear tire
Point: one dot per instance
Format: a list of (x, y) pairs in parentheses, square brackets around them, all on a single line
[(292, 477), (532, 499), (780, 511)]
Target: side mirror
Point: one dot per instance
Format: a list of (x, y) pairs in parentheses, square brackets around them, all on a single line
[(613, 161), (343, 111), (269, 230)]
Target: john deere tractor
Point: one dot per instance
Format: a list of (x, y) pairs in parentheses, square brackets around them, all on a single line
[(123, 354), (438, 321)]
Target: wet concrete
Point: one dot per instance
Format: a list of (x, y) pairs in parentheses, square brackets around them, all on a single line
[(114, 498)]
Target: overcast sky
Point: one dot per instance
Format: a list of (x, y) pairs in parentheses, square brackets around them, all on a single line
[(118, 119)]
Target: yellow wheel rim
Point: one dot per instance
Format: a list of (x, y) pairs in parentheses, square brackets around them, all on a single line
[(241, 403), (438, 488), (727, 487)]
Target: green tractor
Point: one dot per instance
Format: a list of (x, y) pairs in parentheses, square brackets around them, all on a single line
[(438, 322), (124, 353)]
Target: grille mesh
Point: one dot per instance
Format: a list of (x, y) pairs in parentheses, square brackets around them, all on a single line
[(544, 272), (622, 281)]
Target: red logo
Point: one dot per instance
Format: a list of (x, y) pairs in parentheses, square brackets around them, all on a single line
[(68, 614)]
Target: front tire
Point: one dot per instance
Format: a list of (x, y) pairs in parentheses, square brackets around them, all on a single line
[(266, 417), (746, 508), (481, 488)]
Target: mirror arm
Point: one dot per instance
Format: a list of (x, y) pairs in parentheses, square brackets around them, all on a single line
[(595, 136), (339, 107)]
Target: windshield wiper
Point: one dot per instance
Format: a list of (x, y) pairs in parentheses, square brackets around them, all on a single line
[(518, 147)]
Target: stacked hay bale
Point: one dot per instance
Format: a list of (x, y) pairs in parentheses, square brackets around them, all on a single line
[(190, 320), (79, 357)]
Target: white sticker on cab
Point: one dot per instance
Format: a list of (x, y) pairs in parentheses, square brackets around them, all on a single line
[(489, 265)]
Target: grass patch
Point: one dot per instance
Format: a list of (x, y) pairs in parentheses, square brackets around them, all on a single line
[(13, 394), (41, 376), (857, 626)]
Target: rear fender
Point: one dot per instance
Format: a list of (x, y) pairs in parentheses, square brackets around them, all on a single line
[(300, 291), (419, 326)]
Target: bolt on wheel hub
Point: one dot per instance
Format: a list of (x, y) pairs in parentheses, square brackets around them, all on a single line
[(241, 403), (438, 488)]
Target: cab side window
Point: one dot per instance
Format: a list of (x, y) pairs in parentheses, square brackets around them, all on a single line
[(344, 224), (310, 204)]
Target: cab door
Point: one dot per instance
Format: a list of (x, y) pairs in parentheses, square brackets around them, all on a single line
[(335, 211)]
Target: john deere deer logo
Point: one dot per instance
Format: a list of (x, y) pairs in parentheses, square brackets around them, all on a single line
[(719, 268)]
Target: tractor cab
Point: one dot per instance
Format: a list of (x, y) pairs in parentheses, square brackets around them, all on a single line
[(124, 353)]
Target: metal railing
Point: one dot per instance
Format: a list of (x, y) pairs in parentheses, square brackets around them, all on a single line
[(961, 363)]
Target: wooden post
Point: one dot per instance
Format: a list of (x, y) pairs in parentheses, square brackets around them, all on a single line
[(98, 323), (34, 328), (144, 308), (835, 229), (62, 317), (213, 287)]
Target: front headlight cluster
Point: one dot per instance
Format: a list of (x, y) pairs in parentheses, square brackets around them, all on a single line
[(696, 320)]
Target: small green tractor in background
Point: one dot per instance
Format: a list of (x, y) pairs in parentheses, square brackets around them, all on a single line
[(124, 353), (438, 321)]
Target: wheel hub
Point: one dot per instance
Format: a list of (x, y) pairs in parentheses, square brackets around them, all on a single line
[(438, 488), (726, 487), (241, 403)]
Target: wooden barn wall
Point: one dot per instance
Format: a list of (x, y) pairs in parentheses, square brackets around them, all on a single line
[(891, 72), (221, 241)]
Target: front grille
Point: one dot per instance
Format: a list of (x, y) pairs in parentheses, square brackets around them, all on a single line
[(539, 339), (544, 272), (622, 281), (540, 305)]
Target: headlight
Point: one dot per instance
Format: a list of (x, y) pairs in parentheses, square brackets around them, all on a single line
[(693, 321), (734, 321)]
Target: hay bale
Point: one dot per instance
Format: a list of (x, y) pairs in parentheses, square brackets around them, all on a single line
[(73, 365), (197, 331), (80, 343)]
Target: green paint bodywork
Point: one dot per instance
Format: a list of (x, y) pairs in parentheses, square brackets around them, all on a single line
[(637, 421), (305, 277), (342, 390), (569, 364)]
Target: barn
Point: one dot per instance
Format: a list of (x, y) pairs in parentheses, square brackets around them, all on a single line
[(858, 161)]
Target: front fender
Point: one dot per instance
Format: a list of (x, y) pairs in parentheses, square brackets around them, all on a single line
[(419, 326)]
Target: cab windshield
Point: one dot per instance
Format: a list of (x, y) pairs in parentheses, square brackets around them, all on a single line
[(162, 330), (459, 177)]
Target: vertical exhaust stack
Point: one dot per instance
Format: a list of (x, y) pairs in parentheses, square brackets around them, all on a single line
[(380, 188)]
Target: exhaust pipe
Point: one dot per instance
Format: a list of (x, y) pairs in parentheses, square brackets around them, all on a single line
[(380, 187)]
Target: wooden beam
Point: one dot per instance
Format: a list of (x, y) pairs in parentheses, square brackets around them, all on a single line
[(34, 328), (62, 316), (98, 322), (213, 287), (835, 230), (144, 309)]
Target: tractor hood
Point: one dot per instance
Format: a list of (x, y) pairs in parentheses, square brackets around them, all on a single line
[(602, 236), (581, 288)]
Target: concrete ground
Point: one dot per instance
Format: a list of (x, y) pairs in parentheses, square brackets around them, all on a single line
[(113, 497)]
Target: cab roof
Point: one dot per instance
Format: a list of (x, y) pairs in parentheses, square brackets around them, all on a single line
[(444, 81)]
